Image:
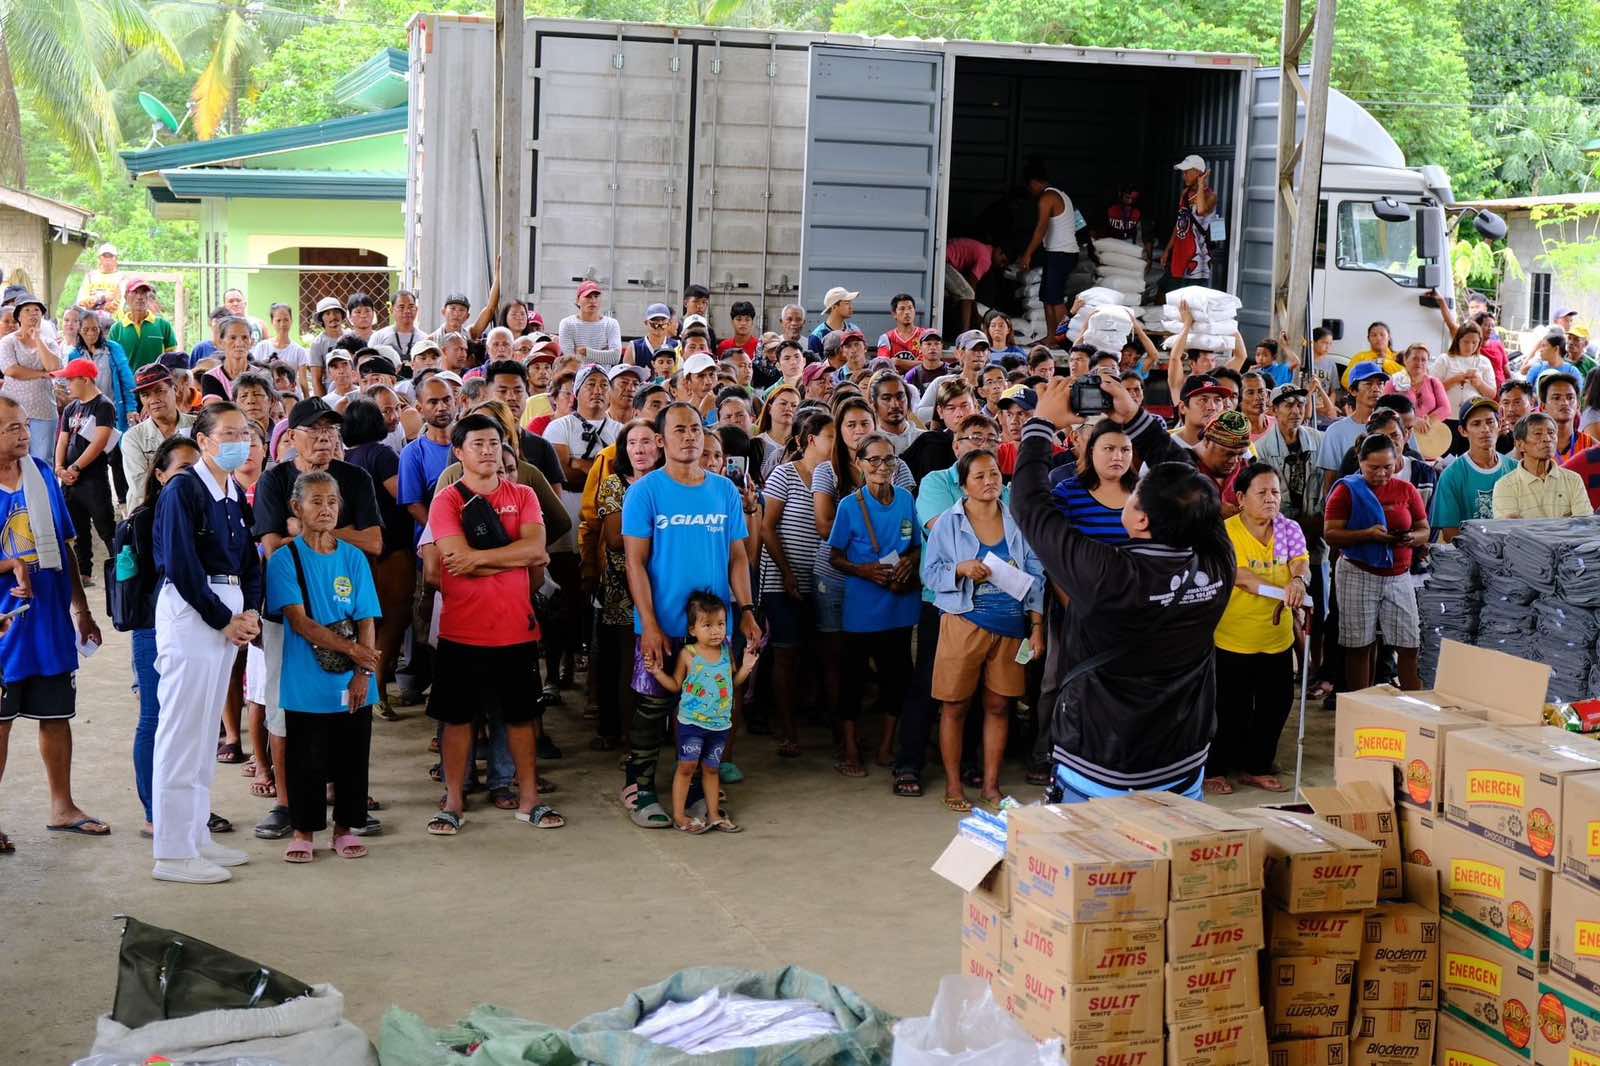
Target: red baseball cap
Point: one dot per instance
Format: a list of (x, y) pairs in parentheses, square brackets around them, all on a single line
[(78, 368), (588, 288)]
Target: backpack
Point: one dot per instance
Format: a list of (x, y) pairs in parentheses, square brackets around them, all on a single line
[(130, 573)]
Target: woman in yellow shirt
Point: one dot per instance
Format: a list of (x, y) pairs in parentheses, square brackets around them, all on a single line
[(1255, 638), (1379, 348)]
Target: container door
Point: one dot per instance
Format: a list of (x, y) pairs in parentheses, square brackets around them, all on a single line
[(871, 179), (609, 153), (749, 177), (1260, 206)]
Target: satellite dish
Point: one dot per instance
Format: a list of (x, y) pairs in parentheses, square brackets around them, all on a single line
[(158, 112)]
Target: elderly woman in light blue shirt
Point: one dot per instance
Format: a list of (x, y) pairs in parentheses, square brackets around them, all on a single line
[(989, 628)]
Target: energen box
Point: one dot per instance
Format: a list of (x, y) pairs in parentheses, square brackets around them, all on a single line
[(1318, 1051), (1219, 1040), (1308, 995), (1489, 989), (1214, 925), (1366, 810), (1567, 1025), (1086, 1014), (1078, 952), (1580, 829), (1335, 934), (1404, 729), (1222, 984), (1494, 893), (1416, 836), (1459, 1044), (1393, 1038), (1504, 783), (1399, 965), (1211, 852), (1313, 866), (1082, 875), (1575, 934)]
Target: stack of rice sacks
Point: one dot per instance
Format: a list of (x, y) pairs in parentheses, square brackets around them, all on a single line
[(1122, 268), (1216, 318), (1111, 328)]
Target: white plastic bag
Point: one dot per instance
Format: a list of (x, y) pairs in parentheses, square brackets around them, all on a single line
[(1122, 281), (1099, 296), (968, 1028), (307, 1031), (1204, 302)]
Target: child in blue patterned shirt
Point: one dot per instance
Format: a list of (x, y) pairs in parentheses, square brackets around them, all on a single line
[(705, 679)]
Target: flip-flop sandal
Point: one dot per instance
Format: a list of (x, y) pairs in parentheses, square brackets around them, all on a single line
[(850, 769), (6, 847), (349, 846), (1217, 786), (218, 824), (299, 851), (727, 825), (373, 805), (651, 816), (1265, 782), (504, 799), (907, 784), (230, 753), (81, 827), (536, 817), (433, 746), (445, 824), (990, 804), (264, 787), (692, 826), (957, 804), (789, 749), (547, 785), (436, 772), (248, 769), (1320, 691)]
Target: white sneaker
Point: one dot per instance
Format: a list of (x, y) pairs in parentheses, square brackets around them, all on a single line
[(222, 856), (190, 871)]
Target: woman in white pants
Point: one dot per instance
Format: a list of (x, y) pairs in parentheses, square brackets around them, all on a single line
[(211, 585)]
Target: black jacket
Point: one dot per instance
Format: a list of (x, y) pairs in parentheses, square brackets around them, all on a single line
[(1146, 615)]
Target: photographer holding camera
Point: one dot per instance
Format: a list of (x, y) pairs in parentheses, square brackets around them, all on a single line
[(1124, 721)]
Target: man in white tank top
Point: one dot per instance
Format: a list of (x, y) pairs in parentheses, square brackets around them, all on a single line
[(1056, 235)]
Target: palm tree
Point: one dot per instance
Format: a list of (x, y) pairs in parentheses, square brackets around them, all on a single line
[(230, 37), (59, 53)]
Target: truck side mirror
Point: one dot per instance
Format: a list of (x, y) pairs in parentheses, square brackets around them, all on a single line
[(1430, 276), (1489, 225), (1388, 209)]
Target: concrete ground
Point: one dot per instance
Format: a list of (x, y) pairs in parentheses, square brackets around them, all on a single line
[(831, 874)]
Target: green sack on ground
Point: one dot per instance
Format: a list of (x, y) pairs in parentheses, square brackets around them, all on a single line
[(864, 1038), (501, 1038)]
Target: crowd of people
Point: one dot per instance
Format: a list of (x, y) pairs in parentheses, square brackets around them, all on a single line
[(921, 544)]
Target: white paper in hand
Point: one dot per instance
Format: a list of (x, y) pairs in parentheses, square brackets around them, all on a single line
[(87, 648), (1013, 582), (891, 558)]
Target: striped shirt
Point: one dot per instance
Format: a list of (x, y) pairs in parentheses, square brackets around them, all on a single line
[(1091, 517), (602, 338), (797, 529), (823, 482)]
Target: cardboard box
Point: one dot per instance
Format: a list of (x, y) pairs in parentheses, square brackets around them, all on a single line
[(1575, 934), (1495, 893), (1417, 843), (1104, 1012), (1219, 1040), (1320, 1051), (975, 963), (1090, 876), (1567, 1025), (1223, 984), (1034, 1022), (1505, 784), (1308, 995), (1331, 935), (1366, 810), (1313, 866), (1459, 1044), (1406, 730), (1393, 1038), (1211, 852), (1079, 952), (983, 928), (1399, 966), (977, 871), (1489, 989), (1580, 831), (1215, 925)]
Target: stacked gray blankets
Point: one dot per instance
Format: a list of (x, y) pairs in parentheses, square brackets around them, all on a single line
[(1447, 605)]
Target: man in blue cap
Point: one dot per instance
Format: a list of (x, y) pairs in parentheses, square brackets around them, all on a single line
[(1366, 384), (657, 335)]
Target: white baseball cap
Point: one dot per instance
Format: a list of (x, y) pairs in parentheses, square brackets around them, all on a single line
[(1192, 162), (695, 320), (588, 371), (698, 363), (622, 369), (837, 293), (108, 249)]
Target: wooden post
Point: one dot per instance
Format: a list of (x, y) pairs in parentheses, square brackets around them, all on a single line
[(509, 29)]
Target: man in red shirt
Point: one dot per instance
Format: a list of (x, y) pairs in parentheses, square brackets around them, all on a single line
[(487, 661), (966, 262), (900, 342)]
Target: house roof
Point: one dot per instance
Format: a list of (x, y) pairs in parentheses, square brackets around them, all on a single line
[(55, 212), (378, 83), (249, 145), (1527, 203), (285, 184)]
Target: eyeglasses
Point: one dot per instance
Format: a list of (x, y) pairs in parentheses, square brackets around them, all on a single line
[(877, 460), (984, 439)]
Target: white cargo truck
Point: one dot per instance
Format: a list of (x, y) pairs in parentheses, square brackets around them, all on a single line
[(770, 165)]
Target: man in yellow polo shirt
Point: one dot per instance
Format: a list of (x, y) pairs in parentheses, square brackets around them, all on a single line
[(1538, 488)]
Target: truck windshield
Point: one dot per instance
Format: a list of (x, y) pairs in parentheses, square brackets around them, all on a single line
[(1366, 242)]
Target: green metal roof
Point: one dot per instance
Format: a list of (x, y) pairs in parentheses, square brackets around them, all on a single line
[(286, 184), (247, 145), (378, 83)]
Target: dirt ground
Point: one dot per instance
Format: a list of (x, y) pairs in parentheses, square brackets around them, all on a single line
[(831, 874)]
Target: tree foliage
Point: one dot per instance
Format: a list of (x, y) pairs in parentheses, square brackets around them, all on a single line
[(297, 81)]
